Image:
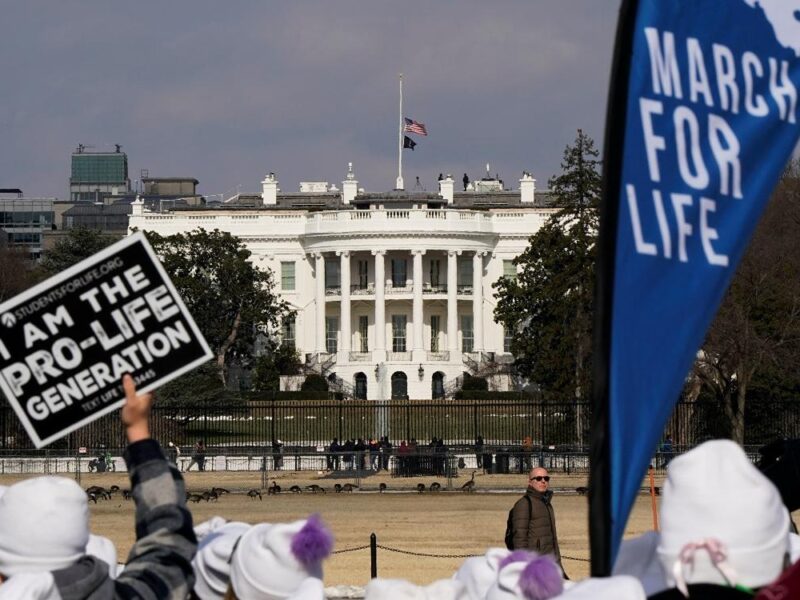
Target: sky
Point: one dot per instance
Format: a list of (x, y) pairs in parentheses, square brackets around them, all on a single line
[(228, 92)]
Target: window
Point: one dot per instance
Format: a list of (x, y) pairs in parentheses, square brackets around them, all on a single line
[(287, 276), (399, 274), (332, 280), (465, 273), (435, 326), (363, 274), (507, 340), (509, 270), (467, 335), (398, 333), (331, 334), (435, 272), (288, 333), (363, 332)]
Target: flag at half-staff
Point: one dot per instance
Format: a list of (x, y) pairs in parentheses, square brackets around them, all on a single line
[(412, 126), (408, 143), (702, 116)]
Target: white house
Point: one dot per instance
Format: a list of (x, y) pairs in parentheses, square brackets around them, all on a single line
[(393, 291)]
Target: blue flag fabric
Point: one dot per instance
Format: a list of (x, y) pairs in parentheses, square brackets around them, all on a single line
[(710, 120)]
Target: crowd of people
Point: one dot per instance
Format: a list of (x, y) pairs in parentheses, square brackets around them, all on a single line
[(726, 532)]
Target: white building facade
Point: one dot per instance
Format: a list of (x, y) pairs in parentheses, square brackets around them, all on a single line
[(393, 291)]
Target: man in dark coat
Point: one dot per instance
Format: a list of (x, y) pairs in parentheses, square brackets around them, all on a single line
[(533, 519)]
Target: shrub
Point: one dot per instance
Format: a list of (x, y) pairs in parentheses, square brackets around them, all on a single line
[(474, 383), (314, 383)]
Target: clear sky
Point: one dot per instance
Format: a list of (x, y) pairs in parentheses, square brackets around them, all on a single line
[(227, 91)]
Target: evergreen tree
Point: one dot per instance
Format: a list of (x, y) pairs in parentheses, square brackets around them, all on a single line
[(77, 244), (548, 307)]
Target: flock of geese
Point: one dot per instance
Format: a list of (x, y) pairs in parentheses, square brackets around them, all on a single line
[(96, 492)]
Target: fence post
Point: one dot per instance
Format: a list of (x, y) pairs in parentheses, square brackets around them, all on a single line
[(408, 419), (449, 458), (272, 419), (373, 556), (474, 420), (77, 466)]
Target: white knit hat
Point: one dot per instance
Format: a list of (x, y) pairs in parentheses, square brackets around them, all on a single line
[(399, 589), (621, 587), (533, 578), (715, 500), (637, 557), (30, 586), (44, 525), (104, 549), (480, 572), (212, 563), (272, 561), (311, 589), (201, 530)]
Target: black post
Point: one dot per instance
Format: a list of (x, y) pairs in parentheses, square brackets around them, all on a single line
[(474, 420), (373, 556), (272, 420)]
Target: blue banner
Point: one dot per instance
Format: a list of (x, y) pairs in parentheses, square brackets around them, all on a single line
[(710, 119)]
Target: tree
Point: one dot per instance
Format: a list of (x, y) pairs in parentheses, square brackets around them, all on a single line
[(756, 333), (16, 272), (278, 360), (548, 306), (229, 298), (77, 244)]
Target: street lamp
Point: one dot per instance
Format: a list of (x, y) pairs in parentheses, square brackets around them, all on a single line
[(421, 371)]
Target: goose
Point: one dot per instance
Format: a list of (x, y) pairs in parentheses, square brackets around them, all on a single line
[(420, 487), (382, 488), (470, 485), (253, 493), (436, 486)]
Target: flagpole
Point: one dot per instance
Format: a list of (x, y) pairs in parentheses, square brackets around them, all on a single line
[(399, 184), (600, 493)]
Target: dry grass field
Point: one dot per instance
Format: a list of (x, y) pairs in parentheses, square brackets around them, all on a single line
[(438, 523)]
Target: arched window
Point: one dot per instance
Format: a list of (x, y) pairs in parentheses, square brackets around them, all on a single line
[(437, 385), (399, 386), (360, 386)]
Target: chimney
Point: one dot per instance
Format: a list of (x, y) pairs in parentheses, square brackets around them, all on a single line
[(269, 190), (349, 185), (526, 187), (446, 188)]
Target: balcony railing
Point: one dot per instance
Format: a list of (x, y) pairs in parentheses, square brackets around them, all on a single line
[(405, 289), (360, 290), (443, 356), (434, 289), (399, 356), (333, 291), (464, 289), (360, 356)]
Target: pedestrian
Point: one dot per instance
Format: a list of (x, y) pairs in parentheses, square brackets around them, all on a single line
[(198, 456), (386, 452), (527, 451), (277, 454), (333, 455), (173, 453), (533, 519), (374, 455), (465, 181), (479, 451), (44, 528)]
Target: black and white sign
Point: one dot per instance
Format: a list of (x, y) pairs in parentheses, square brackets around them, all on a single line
[(66, 343)]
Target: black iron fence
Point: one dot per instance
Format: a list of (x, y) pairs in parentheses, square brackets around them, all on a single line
[(313, 424)]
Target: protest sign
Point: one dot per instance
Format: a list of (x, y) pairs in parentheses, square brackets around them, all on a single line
[(66, 343), (702, 118)]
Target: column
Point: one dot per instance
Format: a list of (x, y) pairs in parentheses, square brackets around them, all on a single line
[(344, 282), (319, 281), (379, 354), (452, 303), (417, 345), (477, 300)]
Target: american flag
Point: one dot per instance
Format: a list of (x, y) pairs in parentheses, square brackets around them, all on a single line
[(413, 127)]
